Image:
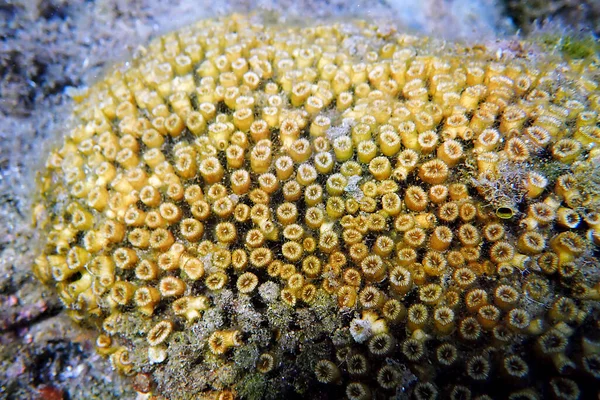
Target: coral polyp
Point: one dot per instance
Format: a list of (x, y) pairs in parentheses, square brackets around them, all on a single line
[(253, 210)]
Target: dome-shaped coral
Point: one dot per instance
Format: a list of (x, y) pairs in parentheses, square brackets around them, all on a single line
[(252, 210)]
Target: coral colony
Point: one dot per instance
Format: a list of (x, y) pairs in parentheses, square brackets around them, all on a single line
[(334, 211)]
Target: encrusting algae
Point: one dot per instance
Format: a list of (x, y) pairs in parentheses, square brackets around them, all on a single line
[(253, 211)]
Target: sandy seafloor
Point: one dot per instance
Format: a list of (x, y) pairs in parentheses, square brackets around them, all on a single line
[(47, 47)]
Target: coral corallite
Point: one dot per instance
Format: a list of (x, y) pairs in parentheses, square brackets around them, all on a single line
[(249, 210)]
